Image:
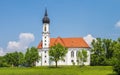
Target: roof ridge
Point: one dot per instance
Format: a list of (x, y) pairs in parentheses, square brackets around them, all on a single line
[(66, 37), (72, 37)]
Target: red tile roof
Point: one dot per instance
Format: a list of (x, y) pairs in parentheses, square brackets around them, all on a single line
[(67, 42)]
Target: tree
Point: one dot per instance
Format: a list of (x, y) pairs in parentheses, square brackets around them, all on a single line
[(98, 52), (31, 56), (57, 52), (102, 51), (10, 59), (107, 45), (21, 59), (79, 57), (15, 58), (82, 56), (3, 62), (116, 66)]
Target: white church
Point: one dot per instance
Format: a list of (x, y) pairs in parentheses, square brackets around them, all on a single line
[(73, 44)]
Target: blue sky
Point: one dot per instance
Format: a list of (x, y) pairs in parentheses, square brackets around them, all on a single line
[(69, 18)]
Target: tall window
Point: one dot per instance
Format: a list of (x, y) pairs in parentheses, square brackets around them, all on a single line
[(45, 28), (45, 51), (45, 61), (45, 44), (45, 40), (72, 53)]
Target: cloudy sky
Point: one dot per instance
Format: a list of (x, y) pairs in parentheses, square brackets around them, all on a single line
[(21, 21)]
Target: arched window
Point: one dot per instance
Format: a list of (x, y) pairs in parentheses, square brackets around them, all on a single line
[(45, 44), (45, 61), (72, 53), (45, 28)]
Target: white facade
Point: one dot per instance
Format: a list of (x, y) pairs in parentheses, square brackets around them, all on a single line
[(69, 58)]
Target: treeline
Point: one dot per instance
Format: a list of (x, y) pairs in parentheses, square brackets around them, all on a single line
[(17, 59), (106, 52)]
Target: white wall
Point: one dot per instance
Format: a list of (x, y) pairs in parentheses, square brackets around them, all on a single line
[(46, 33), (67, 58)]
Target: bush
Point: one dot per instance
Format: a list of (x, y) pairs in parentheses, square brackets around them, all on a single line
[(116, 67), (4, 65)]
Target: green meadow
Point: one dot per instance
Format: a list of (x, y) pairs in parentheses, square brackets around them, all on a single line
[(64, 70)]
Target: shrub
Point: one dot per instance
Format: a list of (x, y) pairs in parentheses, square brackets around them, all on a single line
[(116, 67)]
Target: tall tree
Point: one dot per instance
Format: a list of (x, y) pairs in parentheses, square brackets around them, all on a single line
[(108, 47), (82, 56), (116, 66), (102, 51), (32, 56), (57, 52), (98, 52), (21, 59), (79, 57)]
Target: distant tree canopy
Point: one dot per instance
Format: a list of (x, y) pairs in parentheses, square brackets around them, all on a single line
[(3, 63), (102, 51), (106, 52), (16, 59)]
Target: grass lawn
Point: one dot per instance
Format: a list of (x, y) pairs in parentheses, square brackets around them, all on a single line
[(64, 70)]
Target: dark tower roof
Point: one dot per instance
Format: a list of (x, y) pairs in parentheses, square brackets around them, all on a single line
[(45, 18)]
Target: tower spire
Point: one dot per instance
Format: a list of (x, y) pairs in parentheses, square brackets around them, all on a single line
[(46, 12), (45, 18), (46, 31)]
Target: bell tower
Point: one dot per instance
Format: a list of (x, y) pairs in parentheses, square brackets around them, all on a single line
[(46, 31)]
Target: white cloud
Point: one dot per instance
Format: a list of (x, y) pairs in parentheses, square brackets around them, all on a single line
[(89, 38), (117, 24), (24, 41), (2, 53)]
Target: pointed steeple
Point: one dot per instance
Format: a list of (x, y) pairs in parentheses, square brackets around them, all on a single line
[(45, 18), (46, 12)]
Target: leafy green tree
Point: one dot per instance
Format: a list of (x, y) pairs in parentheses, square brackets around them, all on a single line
[(15, 58), (9, 58), (107, 43), (79, 57), (108, 46), (82, 56), (21, 58), (103, 51), (116, 66), (57, 52), (31, 56), (98, 52), (3, 62)]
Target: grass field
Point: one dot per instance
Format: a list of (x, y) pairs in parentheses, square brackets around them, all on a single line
[(64, 70)]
